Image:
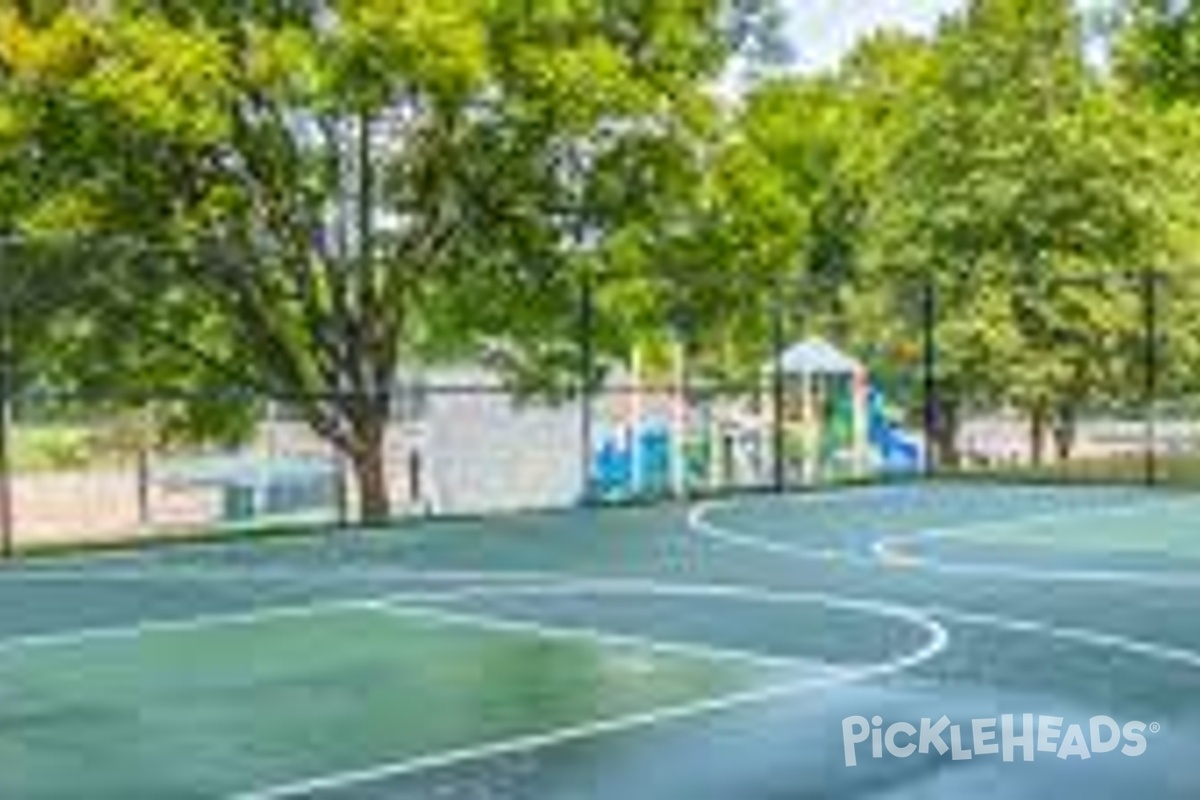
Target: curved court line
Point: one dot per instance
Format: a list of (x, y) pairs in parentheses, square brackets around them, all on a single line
[(1132, 577), (699, 522), (144, 555), (1092, 638), (514, 584), (1099, 639), (933, 648), (938, 640), (890, 549), (600, 588), (397, 608), (560, 583), (548, 583), (913, 614), (989, 530)]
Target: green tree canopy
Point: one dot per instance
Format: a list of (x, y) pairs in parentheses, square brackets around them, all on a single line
[(310, 174)]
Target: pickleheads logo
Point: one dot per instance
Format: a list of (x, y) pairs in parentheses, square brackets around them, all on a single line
[(1030, 734)]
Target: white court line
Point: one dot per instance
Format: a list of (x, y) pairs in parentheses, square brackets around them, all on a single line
[(597, 636), (1098, 639), (314, 574), (546, 584), (915, 615), (599, 589), (699, 521), (986, 529), (271, 612), (532, 742), (1174, 579), (392, 606), (404, 534), (938, 640), (558, 583), (541, 741), (552, 584), (884, 548), (185, 625), (147, 566)]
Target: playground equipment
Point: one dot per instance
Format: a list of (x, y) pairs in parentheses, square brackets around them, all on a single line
[(835, 424), (647, 453), (898, 451), (647, 461), (825, 414), (838, 425)]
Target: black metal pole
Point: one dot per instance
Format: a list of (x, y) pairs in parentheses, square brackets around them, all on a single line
[(587, 369), (1150, 367), (681, 403), (6, 417), (143, 487), (930, 411), (341, 486), (778, 393)]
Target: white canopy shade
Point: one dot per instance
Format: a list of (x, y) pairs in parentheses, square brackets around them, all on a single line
[(817, 357)]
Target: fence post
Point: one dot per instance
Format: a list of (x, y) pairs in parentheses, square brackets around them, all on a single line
[(6, 420), (142, 468), (778, 390), (1150, 367), (341, 488), (587, 369), (929, 355)]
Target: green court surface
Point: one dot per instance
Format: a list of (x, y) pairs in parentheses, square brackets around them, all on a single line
[(214, 710), (701, 652)]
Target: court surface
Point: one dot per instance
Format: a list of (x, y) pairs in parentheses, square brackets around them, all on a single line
[(724, 649)]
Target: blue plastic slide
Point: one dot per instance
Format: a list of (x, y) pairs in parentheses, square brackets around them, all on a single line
[(899, 450)]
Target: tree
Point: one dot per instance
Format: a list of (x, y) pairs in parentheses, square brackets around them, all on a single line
[(1156, 66), (1016, 177), (317, 180)]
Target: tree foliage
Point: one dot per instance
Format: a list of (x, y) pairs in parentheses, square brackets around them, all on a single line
[(300, 197), (331, 181)]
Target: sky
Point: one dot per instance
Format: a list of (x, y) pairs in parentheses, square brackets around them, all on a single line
[(822, 31)]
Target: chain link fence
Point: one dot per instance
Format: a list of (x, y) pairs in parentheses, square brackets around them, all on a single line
[(686, 386)]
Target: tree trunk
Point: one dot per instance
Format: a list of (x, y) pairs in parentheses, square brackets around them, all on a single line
[(946, 436), (1064, 433), (1038, 421), (369, 462)]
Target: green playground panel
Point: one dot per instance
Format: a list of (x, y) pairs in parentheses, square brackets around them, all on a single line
[(240, 705)]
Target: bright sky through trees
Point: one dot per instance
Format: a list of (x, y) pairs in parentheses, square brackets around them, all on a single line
[(821, 31)]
